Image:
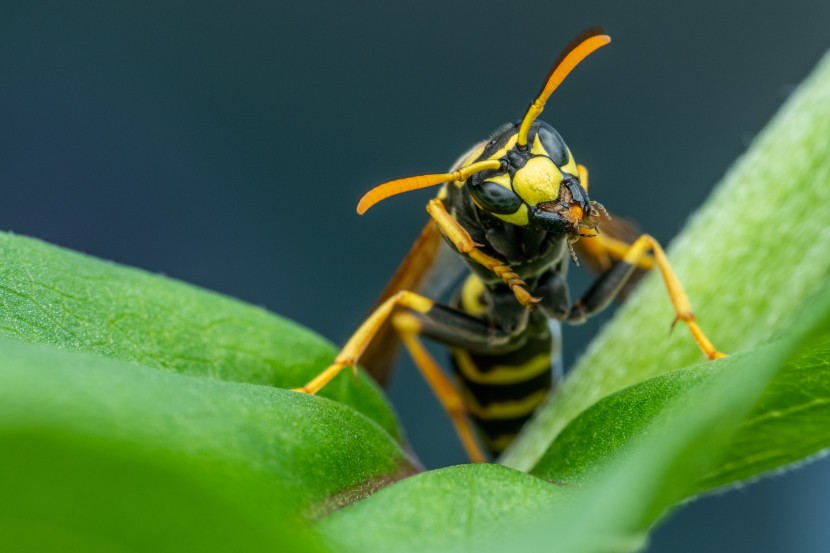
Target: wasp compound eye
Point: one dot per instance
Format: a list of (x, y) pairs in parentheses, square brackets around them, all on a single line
[(553, 144), (495, 198)]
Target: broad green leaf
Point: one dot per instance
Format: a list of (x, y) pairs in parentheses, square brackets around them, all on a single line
[(280, 449), (749, 259), (790, 422), (55, 297), (70, 494), (456, 507), (615, 507)]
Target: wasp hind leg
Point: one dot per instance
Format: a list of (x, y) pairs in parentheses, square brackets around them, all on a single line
[(409, 327), (406, 311), (606, 287)]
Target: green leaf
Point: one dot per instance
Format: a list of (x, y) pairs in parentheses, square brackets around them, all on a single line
[(442, 509), (279, 449), (749, 259), (616, 505), (55, 297), (790, 422), (96, 499)]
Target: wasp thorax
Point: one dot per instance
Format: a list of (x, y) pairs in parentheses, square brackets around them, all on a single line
[(538, 181)]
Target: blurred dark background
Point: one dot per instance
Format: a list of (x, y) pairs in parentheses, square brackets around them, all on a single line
[(226, 144)]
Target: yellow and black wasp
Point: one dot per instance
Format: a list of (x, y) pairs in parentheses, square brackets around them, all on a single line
[(512, 207)]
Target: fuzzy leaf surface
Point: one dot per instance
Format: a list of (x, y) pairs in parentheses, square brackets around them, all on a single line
[(71, 301)]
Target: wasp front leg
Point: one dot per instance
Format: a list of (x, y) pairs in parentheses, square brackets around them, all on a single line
[(464, 243), (360, 340), (607, 286), (412, 315)]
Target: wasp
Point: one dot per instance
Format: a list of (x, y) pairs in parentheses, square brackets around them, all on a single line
[(512, 207)]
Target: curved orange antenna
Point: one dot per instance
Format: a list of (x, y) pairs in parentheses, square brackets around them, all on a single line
[(569, 59), (399, 186)]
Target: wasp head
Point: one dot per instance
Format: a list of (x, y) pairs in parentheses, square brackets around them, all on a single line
[(536, 186), (525, 175)]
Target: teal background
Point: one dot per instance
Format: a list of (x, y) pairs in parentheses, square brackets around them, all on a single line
[(226, 144)]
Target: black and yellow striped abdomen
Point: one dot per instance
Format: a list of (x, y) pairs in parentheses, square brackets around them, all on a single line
[(501, 392)]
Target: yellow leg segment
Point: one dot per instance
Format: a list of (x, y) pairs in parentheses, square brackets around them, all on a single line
[(682, 307), (463, 242), (360, 340), (604, 249), (617, 249), (408, 328)]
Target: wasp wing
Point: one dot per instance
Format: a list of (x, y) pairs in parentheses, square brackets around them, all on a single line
[(432, 268)]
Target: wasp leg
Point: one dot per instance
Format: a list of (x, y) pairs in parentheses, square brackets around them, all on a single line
[(444, 324), (606, 287), (605, 248), (463, 242), (360, 340), (409, 327), (413, 315)]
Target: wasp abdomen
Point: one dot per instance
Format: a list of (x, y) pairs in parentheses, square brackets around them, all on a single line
[(501, 391)]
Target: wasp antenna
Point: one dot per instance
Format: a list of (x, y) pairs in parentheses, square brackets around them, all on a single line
[(399, 186), (577, 51)]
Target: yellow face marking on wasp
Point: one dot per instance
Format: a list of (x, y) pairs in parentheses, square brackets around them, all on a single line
[(519, 218), (570, 167), (538, 181), (502, 179)]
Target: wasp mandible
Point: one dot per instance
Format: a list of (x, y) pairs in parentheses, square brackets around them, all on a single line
[(512, 207)]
